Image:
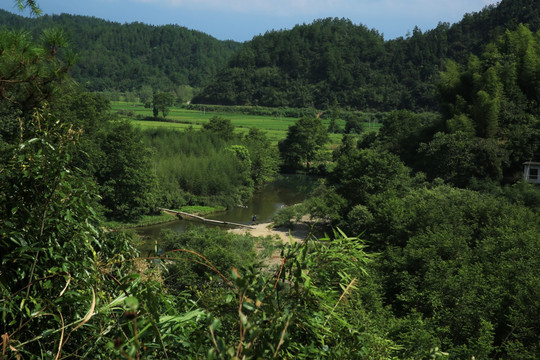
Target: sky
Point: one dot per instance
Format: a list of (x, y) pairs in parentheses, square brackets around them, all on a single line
[(241, 20)]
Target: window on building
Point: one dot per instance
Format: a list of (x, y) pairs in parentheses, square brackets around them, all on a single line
[(533, 173)]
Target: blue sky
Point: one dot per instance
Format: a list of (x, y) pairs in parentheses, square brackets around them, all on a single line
[(240, 20)]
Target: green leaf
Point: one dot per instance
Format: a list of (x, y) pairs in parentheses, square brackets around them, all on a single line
[(182, 318), (216, 323), (132, 303)]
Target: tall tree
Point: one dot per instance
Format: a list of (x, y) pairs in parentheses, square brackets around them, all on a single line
[(359, 174), (264, 156), (125, 173), (221, 127), (305, 139), (162, 101)]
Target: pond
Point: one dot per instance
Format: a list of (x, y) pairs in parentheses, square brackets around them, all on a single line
[(285, 190)]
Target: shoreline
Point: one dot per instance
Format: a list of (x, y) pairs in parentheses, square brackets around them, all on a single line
[(163, 218), (297, 234)]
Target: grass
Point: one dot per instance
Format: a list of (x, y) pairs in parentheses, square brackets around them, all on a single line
[(181, 119), (145, 220), (194, 117), (202, 210)]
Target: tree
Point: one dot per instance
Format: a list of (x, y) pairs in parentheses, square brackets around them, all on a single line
[(360, 174), (25, 88), (264, 156), (354, 125), (184, 93), (145, 96), (494, 100), (486, 114), (403, 131), (457, 158), (463, 261), (345, 148), (243, 169), (161, 102), (305, 139), (125, 174), (221, 127), (333, 127)]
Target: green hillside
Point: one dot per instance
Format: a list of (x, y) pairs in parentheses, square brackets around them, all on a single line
[(328, 63), (124, 57), (335, 62)]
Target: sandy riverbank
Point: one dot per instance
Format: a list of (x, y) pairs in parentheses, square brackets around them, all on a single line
[(298, 233)]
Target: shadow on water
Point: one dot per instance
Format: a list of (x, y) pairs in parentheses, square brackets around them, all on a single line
[(285, 190)]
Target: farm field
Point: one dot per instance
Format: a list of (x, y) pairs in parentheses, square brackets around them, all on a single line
[(181, 119)]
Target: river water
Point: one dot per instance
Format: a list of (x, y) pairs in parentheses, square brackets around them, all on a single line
[(285, 190)]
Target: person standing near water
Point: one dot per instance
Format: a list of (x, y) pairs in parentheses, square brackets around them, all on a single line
[(254, 218)]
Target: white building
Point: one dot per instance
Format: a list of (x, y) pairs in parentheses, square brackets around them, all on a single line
[(531, 172)]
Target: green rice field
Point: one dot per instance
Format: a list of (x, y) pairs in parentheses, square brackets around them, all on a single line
[(181, 119)]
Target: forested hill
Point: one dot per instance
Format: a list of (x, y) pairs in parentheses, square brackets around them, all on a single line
[(328, 63), (124, 57), (333, 62)]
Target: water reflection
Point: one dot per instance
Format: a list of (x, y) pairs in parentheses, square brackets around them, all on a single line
[(286, 190)]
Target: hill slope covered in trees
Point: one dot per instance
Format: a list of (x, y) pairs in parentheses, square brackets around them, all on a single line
[(124, 57), (335, 62), (328, 63)]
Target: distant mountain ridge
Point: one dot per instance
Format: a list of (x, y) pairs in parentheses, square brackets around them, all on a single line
[(124, 57), (333, 62), (328, 63)]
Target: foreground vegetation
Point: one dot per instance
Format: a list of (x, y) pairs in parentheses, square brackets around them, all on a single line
[(446, 265)]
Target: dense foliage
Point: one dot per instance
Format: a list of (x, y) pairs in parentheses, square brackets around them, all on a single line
[(125, 57), (213, 166), (496, 96), (311, 65), (333, 61), (303, 143), (328, 62), (109, 151), (69, 289), (63, 284), (456, 265), (489, 123), (450, 258)]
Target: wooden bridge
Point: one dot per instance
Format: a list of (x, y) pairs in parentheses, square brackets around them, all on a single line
[(182, 215)]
